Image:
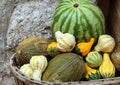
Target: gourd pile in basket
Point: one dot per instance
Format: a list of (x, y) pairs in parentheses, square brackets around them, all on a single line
[(80, 50)]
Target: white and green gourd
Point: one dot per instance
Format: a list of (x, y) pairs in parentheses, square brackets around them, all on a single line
[(65, 41), (94, 59), (38, 64), (106, 43), (27, 70)]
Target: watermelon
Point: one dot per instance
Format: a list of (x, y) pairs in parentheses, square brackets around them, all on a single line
[(82, 18)]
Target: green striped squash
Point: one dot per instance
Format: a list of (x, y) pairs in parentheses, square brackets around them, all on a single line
[(94, 59), (82, 18)]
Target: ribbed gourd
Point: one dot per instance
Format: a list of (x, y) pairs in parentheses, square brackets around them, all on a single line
[(76, 17), (30, 47), (27, 70), (52, 49), (65, 41), (107, 68), (39, 64), (65, 67), (84, 48), (106, 43), (92, 74), (94, 59), (115, 57)]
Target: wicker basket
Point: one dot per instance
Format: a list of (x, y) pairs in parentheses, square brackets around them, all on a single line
[(21, 79), (114, 29)]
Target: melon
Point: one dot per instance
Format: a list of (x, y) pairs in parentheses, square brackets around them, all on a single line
[(65, 67), (30, 47), (82, 18)]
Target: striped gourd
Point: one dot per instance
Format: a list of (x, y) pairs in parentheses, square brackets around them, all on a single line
[(94, 59), (82, 18)]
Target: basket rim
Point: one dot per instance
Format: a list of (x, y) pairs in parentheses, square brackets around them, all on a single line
[(17, 73)]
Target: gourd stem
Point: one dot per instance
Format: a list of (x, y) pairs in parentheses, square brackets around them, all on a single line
[(91, 41)]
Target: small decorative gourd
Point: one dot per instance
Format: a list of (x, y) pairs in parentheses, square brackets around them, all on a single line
[(27, 70), (39, 64), (115, 57), (92, 74), (94, 59), (106, 43), (84, 48), (37, 74), (107, 69), (65, 42), (52, 49)]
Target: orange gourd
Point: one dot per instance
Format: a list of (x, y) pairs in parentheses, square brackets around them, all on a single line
[(84, 48)]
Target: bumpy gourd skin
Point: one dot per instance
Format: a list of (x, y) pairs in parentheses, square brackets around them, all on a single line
[(107, 69), (27, 70), (38, 64), (106, 43), (65, 41)]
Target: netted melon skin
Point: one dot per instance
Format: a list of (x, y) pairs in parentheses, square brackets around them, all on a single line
[(31, 47)]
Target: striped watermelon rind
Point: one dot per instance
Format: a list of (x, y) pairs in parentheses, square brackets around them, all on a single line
[(82, 18)]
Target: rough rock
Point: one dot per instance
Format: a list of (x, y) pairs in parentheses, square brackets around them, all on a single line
[(30, 20)]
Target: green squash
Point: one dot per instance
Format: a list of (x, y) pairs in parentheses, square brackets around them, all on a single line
[(64, 68), (94, 59), (30, 47)]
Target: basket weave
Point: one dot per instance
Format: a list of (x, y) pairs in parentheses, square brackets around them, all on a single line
[(21, 79)]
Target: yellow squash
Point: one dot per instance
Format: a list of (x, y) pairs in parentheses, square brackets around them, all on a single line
[(52, 49), (107, 69), (91, 74)]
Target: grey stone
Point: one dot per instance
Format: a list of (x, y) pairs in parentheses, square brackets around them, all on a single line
[(29, 20)]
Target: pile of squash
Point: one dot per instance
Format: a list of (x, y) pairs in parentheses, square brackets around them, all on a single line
[(65, 59)]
